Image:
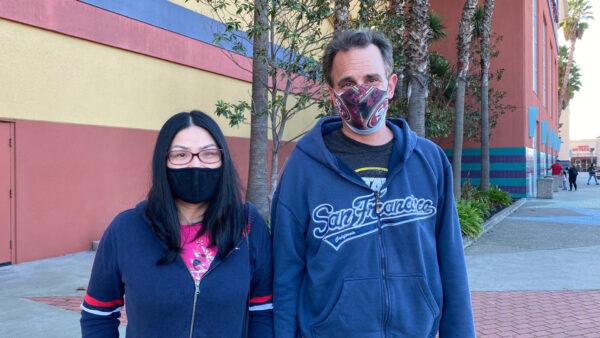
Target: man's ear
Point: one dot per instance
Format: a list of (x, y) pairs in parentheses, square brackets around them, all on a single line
[(392, 81), (331, 93)]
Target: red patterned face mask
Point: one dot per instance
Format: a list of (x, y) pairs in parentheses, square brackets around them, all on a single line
[(362, 108)]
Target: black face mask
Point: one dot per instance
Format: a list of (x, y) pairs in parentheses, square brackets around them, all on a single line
[(194, 185)]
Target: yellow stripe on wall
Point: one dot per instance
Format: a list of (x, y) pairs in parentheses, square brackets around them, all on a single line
[(48, 76)]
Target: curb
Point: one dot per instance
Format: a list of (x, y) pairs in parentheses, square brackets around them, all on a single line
[(497, 218)]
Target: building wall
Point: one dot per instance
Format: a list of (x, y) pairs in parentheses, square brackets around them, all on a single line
[(515, 165), (565, 136), (585, 152), (88, 88)]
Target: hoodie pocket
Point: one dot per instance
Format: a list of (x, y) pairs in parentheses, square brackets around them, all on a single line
[(357, 312), (414, 311)]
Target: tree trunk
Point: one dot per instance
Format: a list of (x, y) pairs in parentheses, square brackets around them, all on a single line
[(563, 88), (257, 172), (341, 19), (397, 36), (488, 11), (465, 36), (457, 148), (417, 54), (417, 102), (274, 168)]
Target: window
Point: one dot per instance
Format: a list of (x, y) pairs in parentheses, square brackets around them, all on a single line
[(552, 87), (535, 46), (544, 65)]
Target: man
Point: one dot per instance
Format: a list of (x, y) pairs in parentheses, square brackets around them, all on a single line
[(592, 172), (573, 177), (556, 170), (366, 235)]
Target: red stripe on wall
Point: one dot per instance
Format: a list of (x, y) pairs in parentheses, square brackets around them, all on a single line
[(91, 23), (94, 24), (72, 180)]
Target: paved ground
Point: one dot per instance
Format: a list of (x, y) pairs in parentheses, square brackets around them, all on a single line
[(535, 274), (42, 298)]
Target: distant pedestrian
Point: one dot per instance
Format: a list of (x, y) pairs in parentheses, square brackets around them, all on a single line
[(564, 179), (592, 172), (573, 177), (556, 168)]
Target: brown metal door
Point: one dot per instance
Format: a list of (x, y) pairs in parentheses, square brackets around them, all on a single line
[(5, 193)]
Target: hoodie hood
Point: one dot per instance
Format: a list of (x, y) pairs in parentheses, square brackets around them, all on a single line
[(314, 146)]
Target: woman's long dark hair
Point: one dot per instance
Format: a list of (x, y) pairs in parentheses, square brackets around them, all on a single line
[(224, 217)]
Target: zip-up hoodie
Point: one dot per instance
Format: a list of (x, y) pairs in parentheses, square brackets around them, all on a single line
[(352, 262), (160, 299)]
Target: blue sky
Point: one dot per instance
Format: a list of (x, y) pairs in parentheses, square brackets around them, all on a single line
[(585, 106)]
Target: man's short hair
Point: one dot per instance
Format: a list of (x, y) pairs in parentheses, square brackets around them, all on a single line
[(360, 38)]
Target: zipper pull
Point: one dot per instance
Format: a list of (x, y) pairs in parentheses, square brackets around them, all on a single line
[(377, 203), (197, 286)]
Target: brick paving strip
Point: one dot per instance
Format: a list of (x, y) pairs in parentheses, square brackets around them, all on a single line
[(497, 314), (537, 313)]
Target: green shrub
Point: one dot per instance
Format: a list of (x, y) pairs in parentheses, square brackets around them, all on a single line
[(482, 205), (498, 197), (477, 198), (469, 191), (470, 216)]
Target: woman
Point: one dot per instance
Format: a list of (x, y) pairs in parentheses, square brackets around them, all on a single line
[(192, 260), (572, 177)]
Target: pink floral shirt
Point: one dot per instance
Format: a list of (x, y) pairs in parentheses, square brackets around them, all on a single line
[(196, 252)]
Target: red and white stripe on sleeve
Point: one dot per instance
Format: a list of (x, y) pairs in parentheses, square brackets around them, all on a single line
[(261, 303)]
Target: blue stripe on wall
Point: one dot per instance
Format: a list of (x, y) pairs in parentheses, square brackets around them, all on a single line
[(493, 151), (532, 118), (544, 131), (172, 17), (509, 182), (516, 166)]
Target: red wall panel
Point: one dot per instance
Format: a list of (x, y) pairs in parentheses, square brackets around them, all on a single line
[(72, 180)]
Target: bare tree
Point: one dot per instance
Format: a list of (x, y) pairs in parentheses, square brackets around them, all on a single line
[(417, 56), (258, 190), (396, 21), (464, 39), (486, 29), (285, 80)]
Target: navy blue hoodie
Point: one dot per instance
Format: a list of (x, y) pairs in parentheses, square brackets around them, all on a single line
[(160, 299), (352, 262)]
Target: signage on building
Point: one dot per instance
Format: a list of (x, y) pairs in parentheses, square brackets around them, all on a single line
[(583, 150)]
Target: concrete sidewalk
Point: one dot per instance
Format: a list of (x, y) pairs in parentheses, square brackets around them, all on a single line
[(537, 273), (21, 311)]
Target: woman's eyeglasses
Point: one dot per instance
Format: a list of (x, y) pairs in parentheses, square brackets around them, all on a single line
[(206, 156)]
